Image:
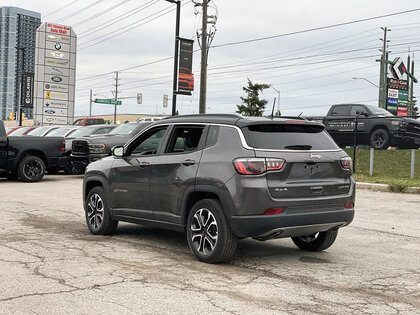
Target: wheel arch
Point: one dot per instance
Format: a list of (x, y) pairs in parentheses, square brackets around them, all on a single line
[(378, 127), (204, 192), (32, 152), (92, 182)]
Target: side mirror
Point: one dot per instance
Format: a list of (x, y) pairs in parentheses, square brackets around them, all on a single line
[(118, 151)]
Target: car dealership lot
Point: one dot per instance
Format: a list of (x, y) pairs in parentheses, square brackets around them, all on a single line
[(50, 263)]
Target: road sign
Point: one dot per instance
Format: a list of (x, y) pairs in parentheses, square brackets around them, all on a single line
[(107, 101), (139, 98)]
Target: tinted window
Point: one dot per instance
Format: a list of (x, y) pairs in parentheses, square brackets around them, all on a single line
[(37, 131), (289, 137), (102, 131), (377, 111), (148, 144), (185, 139), (357, 109), (341, 110), (124, 129), (212, 136)]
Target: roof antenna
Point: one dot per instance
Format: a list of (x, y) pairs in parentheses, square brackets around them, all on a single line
[(272, 112), (300, 114)]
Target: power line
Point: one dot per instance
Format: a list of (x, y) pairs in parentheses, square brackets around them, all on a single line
[(316, 28), (62, 8), (80, 11), (90, 18)]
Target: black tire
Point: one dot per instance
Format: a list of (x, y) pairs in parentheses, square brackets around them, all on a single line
[(31, 169), (98, 218), (316, 242), (380, 139), (211, 240)]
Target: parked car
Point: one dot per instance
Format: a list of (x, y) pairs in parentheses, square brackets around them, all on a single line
[(149, 119), (86, 150), (29, 157), (18, 131), (220, 178), (88, 131), (376, 127), (64, 131), (41, 130), (22, 131), (89, 121)]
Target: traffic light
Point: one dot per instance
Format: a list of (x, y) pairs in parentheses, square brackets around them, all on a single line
[(23, 116), (12, 116)]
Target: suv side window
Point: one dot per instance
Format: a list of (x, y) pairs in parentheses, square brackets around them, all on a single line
[(341, 110), (149, 143), (357, 109), (185, 139)]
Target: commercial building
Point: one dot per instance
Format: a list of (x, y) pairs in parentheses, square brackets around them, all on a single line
[(17, 52)]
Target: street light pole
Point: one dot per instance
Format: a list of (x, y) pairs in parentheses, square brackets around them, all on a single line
[(175, 83), (368, 81)]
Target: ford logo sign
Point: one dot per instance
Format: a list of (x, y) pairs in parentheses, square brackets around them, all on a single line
[(314, 156)]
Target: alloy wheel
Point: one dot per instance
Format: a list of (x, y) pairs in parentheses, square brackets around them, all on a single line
[(95, 211), (32, 169), (204, 231), (378, 139)]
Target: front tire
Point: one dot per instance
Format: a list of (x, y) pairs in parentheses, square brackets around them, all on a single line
[(98, 218), (316, 242), (380, 139), (31, 169), (209, 235)]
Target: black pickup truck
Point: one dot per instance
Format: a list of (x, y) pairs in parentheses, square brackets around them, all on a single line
[(376, 127), (29, 157), (87, 150)]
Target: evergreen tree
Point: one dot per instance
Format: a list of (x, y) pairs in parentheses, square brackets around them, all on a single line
[(252, 104)]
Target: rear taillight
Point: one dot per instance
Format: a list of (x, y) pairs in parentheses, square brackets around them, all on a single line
[(63, 146), (271, 211), (257, 166), (349, 205), (346, 163)]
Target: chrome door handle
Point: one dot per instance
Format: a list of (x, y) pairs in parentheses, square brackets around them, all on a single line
[(188, 162), (143, 164)]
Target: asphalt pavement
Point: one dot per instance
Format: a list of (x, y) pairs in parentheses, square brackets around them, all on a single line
[(51, 264)]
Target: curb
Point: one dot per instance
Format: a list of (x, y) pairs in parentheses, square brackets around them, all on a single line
[(385, 188)]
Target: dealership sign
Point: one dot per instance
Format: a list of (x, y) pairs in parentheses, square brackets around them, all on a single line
[(27, 90), (185, 75), (55, 73)]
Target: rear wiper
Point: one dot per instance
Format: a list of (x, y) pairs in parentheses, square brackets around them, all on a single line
[(299, 147)]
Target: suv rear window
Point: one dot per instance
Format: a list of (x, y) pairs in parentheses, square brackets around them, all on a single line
[(289, 137)]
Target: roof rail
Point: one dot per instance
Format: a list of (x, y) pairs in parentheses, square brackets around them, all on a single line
[(205, 115)]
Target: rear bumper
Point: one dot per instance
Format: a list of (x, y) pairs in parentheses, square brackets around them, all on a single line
[(290, 224)]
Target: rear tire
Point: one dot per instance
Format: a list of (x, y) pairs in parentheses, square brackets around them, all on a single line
[(380, 139), (316, 242), (31, 169), (209, 235), (98, 218)]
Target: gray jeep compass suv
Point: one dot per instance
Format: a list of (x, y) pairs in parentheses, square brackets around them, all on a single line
[(220, 178)]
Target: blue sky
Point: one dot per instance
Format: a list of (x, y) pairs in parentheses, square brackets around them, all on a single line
[(312, 70)]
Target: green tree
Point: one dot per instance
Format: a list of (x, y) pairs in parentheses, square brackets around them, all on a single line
[(252, 104)]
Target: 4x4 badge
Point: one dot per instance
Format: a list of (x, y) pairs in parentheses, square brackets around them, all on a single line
[(314, 156)]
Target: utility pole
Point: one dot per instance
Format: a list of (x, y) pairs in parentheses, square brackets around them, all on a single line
[(175, 80), (410, 84), (383, 70), (204, 54), (90, 104), (116, 97)]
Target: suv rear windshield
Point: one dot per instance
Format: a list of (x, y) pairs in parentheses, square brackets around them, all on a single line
[(289, 137)]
